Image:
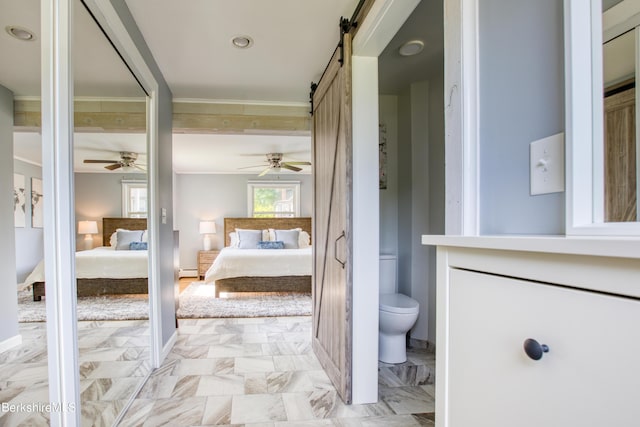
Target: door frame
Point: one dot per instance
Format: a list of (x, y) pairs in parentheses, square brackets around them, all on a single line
[(461, 100)]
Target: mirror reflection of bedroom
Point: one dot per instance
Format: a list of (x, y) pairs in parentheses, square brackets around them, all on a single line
[(110, 146)]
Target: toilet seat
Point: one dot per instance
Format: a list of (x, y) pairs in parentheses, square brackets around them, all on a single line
[(398, 303)]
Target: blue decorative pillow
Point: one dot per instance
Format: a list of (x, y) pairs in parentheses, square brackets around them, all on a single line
[(277, 244), (138, 246)]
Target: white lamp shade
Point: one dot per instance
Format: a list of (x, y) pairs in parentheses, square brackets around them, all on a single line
[(87, 227), (207, 227)]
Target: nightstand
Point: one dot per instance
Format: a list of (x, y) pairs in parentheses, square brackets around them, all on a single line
[(205, 259)]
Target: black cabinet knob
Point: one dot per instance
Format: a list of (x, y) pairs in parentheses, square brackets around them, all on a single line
[(534, 349)]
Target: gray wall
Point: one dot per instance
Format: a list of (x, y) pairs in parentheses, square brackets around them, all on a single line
[(420, 197), (29, 241), (216, 196), (8, 294), (521, 100), (388, 105), (436, 182), (405, 185), (167, 279), (99, 195)]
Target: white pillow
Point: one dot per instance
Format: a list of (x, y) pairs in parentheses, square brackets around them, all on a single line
[(265, 233), (289, 237), (113, 240), (125, 237), (249, 239), (233, 240), (304, 239)]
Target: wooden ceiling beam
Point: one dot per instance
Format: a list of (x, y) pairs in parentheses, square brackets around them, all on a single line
[(188, 117)]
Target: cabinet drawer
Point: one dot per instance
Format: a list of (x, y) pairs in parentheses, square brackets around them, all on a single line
[(589, 377)]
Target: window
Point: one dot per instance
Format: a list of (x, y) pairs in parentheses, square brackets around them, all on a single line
[(274, 199), (134, 199)]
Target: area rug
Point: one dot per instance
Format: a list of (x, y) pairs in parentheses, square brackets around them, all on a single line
[(196, 301)]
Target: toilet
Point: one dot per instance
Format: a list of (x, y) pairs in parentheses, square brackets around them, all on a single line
[(398, 314)]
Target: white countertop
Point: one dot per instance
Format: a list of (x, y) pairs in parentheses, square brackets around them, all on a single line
[(618, 247)]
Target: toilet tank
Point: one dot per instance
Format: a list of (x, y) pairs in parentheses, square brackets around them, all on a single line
[(388, 274)]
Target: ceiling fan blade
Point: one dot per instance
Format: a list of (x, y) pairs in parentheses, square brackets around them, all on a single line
[(139, 167), (251, 167), (113, 167), (291, 168), (100, 161), (264, 172), (297, 163)]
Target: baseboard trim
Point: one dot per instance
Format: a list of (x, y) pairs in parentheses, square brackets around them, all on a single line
[(188, 273), (9, 343), (422, 344), (168, 346)]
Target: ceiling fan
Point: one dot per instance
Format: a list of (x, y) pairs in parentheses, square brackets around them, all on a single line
[(127, 161), (275, 163)]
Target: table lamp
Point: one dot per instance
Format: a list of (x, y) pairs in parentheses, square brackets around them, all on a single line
[(207, 228), (88, 228)]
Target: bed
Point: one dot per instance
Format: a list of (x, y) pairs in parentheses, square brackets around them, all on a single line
[(103, 270), (252, 270)]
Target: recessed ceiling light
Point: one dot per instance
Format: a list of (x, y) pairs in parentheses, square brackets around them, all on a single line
[(242, 42), (411, 48), (20, 33)]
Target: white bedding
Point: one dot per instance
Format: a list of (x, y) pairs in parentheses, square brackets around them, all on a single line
[(102, 262), (233, 262)]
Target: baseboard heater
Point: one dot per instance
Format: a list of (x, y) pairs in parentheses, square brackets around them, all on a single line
[(188, 273)]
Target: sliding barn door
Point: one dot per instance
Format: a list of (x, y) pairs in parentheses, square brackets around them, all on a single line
[(620, 157), (332, 278)]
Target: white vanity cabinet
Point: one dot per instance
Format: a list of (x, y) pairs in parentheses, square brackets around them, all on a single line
[(493, 295)]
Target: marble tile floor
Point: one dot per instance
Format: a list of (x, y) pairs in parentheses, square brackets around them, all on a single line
[(261, 372), (114, 358)]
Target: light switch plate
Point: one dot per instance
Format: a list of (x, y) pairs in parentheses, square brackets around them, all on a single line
[(546, 157), (163, 212)]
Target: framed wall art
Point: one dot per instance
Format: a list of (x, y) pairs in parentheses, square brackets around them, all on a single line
[(36, 203), (19, 200)]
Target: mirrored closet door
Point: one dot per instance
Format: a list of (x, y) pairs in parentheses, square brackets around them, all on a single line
[(110, 180)]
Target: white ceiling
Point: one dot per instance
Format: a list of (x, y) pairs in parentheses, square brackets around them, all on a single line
[(191, 42), (98, 70)]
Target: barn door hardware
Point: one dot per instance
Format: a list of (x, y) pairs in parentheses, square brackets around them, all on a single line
[(314, 86), (335, 249), (345, 27)]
